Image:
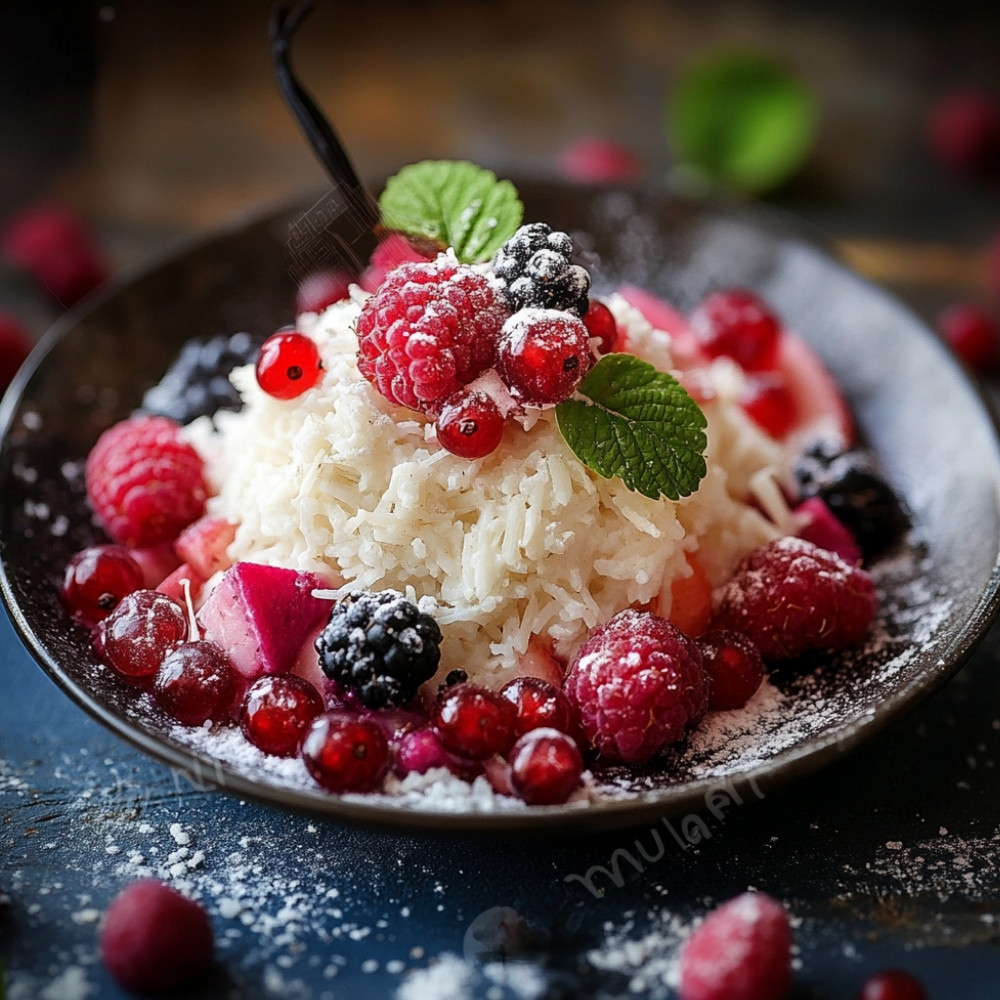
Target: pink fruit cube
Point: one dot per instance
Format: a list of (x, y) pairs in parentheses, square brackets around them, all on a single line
[(204, 544), (261, 616), (173, 586)]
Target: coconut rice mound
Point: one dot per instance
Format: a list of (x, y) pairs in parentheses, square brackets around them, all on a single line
[(527, 542)]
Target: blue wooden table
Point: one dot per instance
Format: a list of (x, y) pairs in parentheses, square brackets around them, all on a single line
[(887, 858)]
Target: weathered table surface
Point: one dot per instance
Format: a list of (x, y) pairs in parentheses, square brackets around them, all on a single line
[(887, 858)]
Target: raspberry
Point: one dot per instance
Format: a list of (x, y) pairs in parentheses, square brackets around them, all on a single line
[(379, 645), (638, 684), (429, 329), (144, 482), (154, 940), (197, 382), (741, 952), (790, 596), (53, 245), (534, 267)]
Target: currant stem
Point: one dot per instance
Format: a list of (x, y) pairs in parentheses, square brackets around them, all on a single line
[(193, 634)]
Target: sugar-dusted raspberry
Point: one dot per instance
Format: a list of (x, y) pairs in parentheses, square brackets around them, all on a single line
[(790, 596), (431, 328), (742, 951), (638, 684), (144, 482)]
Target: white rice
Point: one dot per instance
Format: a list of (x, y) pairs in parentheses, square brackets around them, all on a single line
[(525, 543)]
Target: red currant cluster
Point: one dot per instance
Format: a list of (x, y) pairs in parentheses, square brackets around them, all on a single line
[(519, 738)]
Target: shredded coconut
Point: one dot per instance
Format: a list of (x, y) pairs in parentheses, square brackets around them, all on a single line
[(525, 542)]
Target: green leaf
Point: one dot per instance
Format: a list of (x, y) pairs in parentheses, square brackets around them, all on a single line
[(639, 424), (453, 203), (741, 120)]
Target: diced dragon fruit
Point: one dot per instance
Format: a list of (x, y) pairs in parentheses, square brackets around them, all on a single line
[(261, 615)]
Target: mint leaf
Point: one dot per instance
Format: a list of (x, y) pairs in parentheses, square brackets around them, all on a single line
[(639, 424), (453, 203), (741, 120)]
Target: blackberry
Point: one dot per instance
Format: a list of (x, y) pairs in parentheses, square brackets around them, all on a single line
[(197, 382), (536, 273), (849, 484), (379, 645)]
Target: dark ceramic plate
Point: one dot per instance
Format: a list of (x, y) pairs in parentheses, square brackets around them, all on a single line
[(931, 430)]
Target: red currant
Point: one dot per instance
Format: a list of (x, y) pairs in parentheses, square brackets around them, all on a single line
[(769, 403), (545, 767), (97, 579), (288, 364), (320, 290), (277, 712), (543, 354), (600, 324), (973, 333), (474, 722), (538, 704), (469, 425), (737, 324), (345, 753), (138, 634), (734, 668), (195, 683), (892, 984)]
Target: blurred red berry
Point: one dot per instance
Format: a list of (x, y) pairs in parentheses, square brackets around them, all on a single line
[(973, 333), (15, 345), (154, 940), (54, 246), (595, 160), (320, 290), (963, 130), (892, 984)]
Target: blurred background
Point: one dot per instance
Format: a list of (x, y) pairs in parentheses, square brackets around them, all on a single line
[(149, 121)]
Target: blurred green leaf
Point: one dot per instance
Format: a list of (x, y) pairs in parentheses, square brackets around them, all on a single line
[(741, 120)]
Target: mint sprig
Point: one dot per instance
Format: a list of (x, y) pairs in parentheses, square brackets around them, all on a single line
[(639, 424), (455, 204)]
